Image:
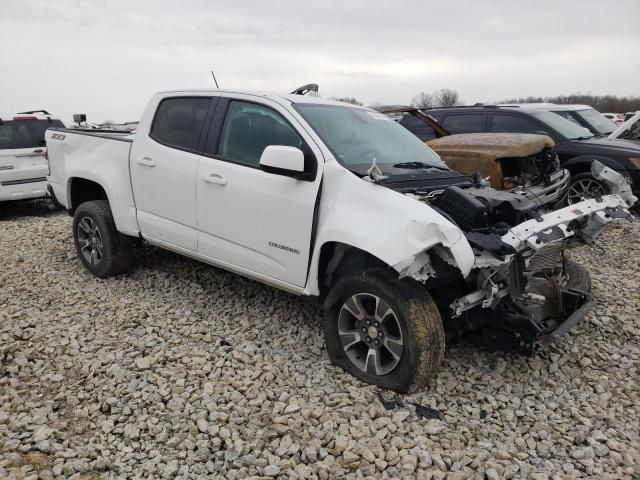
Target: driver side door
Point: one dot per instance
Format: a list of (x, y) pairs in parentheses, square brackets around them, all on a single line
[(249, 220)]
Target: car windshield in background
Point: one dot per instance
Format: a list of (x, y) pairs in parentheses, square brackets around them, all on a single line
[(16, 134), (598, 122), (357, 136), (563, 126)]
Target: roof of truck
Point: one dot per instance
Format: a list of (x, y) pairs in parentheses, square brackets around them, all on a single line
[(271, 95)]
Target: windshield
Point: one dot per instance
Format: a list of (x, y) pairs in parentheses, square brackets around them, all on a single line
[(357, 136), (567, 129), (598, 122)]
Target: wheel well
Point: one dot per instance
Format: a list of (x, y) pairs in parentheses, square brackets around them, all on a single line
[(83, 190), (578, 167), (337, 258)]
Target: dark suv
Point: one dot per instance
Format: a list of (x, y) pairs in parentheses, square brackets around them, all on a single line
[(576, 146)]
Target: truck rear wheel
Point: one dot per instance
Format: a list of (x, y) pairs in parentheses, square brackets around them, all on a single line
[(102, 250), (383, 331)]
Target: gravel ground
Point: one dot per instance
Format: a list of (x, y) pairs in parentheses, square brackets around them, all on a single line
[(182, 370)]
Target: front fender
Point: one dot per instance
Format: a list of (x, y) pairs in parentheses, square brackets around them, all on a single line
[(582, 163), (392, 227)]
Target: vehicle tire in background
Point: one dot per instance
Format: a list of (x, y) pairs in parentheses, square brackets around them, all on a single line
[(102, 250), (383, 331), (584, 186)]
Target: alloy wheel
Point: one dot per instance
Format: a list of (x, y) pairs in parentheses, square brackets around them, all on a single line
[(585, 189), (370, 334), (90, 241)]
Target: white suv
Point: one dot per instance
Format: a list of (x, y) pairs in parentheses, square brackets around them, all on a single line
[(23, 162)]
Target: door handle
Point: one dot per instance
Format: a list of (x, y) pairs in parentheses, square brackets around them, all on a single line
[(147, 162), (214, 178), (35, 153)]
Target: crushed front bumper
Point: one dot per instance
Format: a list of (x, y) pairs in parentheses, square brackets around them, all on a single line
[(554, 194), (576, 225)]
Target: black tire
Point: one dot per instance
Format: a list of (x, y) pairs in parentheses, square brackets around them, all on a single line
[(578, 277), (115, 249), (580, 179), (413, 311)]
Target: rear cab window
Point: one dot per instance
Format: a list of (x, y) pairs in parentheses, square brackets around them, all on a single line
[(179, 121), (28, 133)]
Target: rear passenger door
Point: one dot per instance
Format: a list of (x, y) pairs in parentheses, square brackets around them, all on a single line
[(164, 166), (250, 220)]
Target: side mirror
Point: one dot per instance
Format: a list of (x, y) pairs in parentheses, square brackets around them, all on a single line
[(283, 160)]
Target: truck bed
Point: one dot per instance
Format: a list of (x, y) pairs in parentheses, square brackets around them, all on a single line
[(92, 155)]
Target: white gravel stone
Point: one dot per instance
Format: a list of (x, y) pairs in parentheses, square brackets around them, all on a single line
[(178, 369)]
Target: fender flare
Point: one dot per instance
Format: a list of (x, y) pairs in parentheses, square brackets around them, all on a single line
[(582, 164), (72, 206)]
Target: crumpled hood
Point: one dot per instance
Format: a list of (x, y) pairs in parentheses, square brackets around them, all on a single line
[(490, 146)]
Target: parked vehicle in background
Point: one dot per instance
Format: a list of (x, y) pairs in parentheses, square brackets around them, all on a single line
[(616, 118), (23, 162), (629, 130), (576, 146), (582, 115), (325, 199), (525, 164)]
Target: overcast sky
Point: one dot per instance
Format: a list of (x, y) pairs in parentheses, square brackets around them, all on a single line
[(106, 58)]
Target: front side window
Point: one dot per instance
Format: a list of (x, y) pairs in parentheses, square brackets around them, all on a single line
[(464, 123), (250, 128), (178, 122), (563, 126)]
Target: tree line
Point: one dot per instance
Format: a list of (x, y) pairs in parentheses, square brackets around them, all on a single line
[(446, 97), (602, 103)]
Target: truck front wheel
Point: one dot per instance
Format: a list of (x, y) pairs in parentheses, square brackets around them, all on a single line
[(383, 331), (102, 250)]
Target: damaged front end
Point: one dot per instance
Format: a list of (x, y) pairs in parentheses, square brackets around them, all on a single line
[(522, 286), (528, 287)]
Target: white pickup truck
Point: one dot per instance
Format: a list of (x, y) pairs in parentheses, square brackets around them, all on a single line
[(337, 203)]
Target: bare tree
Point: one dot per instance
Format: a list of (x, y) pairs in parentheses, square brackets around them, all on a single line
[(423, 101), (445, 97), (351, 100)]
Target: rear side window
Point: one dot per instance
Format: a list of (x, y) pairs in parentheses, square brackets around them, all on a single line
[(17, 134), (464, 123), (513, 124), (178, 122), (416, 126), (250, 128)]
